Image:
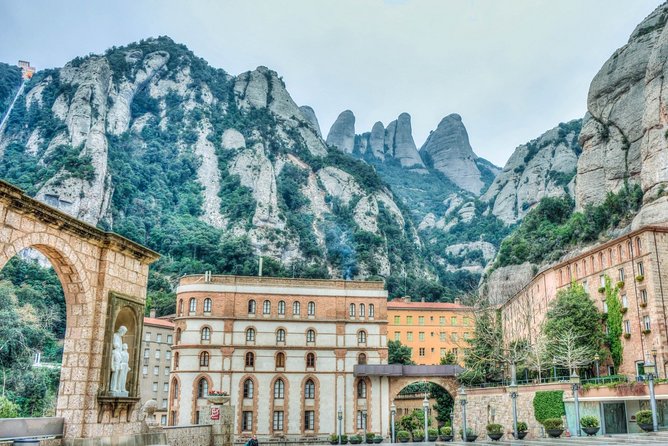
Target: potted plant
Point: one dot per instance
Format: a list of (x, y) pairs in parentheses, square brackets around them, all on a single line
[(377, 439), (640, 277), (418, 435), (644, 420), (627, 335), (218, 396), (522, 429), (601, 289), (646, 331), (620, 284), (623, 310), (494, 431), (590, 425), (369, 437), (403, 436), (355, 439), (554, 427), (446, 433), (432, 434), (344, 439), (333, 439), (470, 435)]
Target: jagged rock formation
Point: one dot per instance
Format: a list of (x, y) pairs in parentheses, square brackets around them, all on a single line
[(623, 136), (449, 151), (342, 133), (310, 116), (544, 167), (399, 142)]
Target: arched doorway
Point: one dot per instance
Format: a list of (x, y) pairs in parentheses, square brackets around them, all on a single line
[(410, 409)]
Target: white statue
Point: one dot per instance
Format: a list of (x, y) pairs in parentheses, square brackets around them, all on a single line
[(117, 383), (125, 359)]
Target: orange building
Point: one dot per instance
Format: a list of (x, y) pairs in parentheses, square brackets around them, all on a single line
[(430, 329)]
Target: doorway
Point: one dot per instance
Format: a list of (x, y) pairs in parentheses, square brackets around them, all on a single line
[(614, 418)]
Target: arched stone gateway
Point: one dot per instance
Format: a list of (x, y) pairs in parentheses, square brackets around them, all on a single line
[(104, 280)]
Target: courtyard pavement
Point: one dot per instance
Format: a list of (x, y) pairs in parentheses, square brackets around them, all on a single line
[(659, 438)]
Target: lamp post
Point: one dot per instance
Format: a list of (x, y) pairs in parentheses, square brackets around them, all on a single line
[(596, 359), (340, 416), (452, 420), (425, 408), (554, 368), (656, 364), (393, 412), (512, 388), (462, 401), (575, 383), (364, 416), (650, 370)]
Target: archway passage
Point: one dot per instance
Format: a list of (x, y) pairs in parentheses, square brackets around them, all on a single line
[(409, 404), (101, 274)]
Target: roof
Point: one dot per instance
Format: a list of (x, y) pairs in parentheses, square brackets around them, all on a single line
[(406, 370), (155, 322), (401, 305)]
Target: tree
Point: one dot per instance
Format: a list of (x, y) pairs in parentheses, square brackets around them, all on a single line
[(571, 352), (538, 358), (8, 409), (449, 359), (614, 322), (398, 353)]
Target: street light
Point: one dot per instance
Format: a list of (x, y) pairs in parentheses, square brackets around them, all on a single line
[(596, 359), (393, 412), (462, 401), (654, 352), (554, 368), (512, 388), (340, 416), (364, 416), (575, 383), (425, 408), (650, 370)]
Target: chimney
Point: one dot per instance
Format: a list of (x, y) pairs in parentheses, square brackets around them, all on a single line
[(151, 313), (458, 301)]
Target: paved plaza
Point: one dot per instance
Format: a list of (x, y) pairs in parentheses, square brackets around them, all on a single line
[(659, 438)]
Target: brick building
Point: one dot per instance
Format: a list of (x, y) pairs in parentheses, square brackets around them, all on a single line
[(431, 329), (284, 349), (636, 262), (156, 363)]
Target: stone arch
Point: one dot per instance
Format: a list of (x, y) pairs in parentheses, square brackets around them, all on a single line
[(397, 384)]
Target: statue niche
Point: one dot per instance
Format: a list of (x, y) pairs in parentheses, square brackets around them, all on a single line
[(119, 364)]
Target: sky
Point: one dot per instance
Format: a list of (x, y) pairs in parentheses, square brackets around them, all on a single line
[(512, 69)]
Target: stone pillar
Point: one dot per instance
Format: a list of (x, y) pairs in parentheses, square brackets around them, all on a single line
[(221, 418)]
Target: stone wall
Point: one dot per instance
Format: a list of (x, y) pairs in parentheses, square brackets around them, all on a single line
[(196, 435)]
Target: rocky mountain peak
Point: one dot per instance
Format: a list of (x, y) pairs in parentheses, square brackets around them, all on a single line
[(310, 116), (400, 143), (342, 132)]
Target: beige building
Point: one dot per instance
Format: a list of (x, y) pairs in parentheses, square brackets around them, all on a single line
[(637, 263), (156, 363), (284, 350)]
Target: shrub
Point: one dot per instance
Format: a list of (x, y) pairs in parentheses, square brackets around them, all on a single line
[(640, 277), (418, 435), (589, 421), (432, 432), (548, 404), (494, 428), (469, 432), (522, 426), (446, 430), (403, 435), (355, 439), (553, 423), (644, 417), (344, 439), (620, 284), (369, 436), (8, 409), (333, 437)]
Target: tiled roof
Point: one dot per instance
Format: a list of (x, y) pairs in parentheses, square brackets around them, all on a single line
[(401, 305), (158, 322)]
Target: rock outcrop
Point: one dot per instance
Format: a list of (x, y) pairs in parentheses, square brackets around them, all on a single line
[(310, 116), (342, 133), (400, 144)]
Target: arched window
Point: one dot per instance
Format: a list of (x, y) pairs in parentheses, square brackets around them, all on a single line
[(251, 306), (180, 307), (280, 335), (250, 359), (178, 336), (619, 252), (204, 359), (629, 249), (202, 388), (296, 308), (248, 388), (280, 359), (600, 260), (279, 389), (175, 388), (361, 359), (310, 335), (372, 310), (310, 360), (311, 309), (205, 334), (351, 310), (176, 361), (362, 310), (361, 389), (281, 307), (309, 390), (250, 335), (361, 337), (610, 256), (192, 305), (207, 305), (638, 246), (266, 307)]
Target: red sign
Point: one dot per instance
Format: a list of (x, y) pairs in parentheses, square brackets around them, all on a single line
[(215, 413)]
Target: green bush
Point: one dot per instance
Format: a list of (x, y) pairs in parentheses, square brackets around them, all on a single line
[(494, 428), (333, 437), (8, 409), (446, 430), (369, 436), (589, 421), (553, 423), (403, 435), (432, 432), (522, 426), (418, 435), (548, 404), (469, 431), (344, 439), (644, 417)]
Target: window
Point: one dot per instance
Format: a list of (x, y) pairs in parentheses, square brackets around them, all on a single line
[(443, 353), (409, 320), (296, 308), (421, 336), (163, 418), (441, 336), (279, 389), (361, 419), (361, 359), (421, 320), (625, 301), (361, 389), (250, 335), (175, 389), (309, 390), (397, 320), (176, 360), (144, 370), (181, 307), (165, 387), (192, 306), (147, 336), (361, 337), (397, 336), (627, 326), (204, 359), (641, 269), (310, 309), (250, 359), (421, 351), (280, 335), (248, 388), (310, 360), (409, 336), (202, 388), (605, 307), (601, 280), (310, 335), (168, 355), (638, 245), (372, 310), (280, 359), (441, 320), (266, 307), (629, 248), (281, 308), (643, 297), (362, 310), (278, 420), (251, 306), (454, 337), (351, 310), (205, 334), (147, 352), (619, 252), (309, 420), (156, 370), (621, 274), (166, 371), (158, 337), (207, 305), (467, 335), (157, 354), (453, 320), (466, 320), (247, 420), (178, 335), (646, 323)]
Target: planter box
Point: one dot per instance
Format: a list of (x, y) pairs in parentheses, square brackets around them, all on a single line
[(445, 437), (520, 435), (495, 437), (218, 399), (590, 431), (554, 433)]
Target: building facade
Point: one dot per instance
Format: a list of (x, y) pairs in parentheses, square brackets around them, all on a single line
[(431, 329), (636, 264), (284, 350), (156, 364)]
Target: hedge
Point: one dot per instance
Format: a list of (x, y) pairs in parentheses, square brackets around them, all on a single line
[(548, 404)]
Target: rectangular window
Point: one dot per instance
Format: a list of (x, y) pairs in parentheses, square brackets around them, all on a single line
[(601, 280), (621, 274), (627, 326), (467, 335), (158, 337), (157, 354), (169, 339), (164, 403), (147, 352), (163, 420), (466, 321), (442, 336), (165, 387), (397, 336), (156, 370), (421, 336), (443, 353), (361, 419), (397, 320), (147, 336), (421, 320), (641, 269), (421, 351), (247, 420), (643, 297), (309, 420), (453, 320), (625, 301), (409, 336), (155, 386), (441, 320), (585, 285), (166, 371), (409, 320), (278, 420), (646, 323), (453, 337), (168, 355), (144, 370)]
